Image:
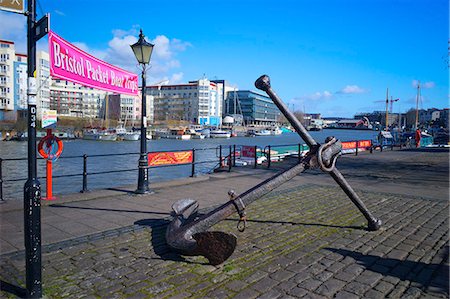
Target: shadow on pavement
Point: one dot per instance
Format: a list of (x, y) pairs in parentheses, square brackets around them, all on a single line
[(13, 289), (159, 245), (427, 275), (300, 223), (104, 209)]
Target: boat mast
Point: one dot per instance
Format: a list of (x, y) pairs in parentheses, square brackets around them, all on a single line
[(387, 114), (417, 106)]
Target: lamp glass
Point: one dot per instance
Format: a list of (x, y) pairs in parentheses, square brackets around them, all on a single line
[(142, 50)]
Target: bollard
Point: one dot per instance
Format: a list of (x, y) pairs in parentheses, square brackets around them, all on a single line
[(268, 157), (193, 163), (356, 150), (84, 174)]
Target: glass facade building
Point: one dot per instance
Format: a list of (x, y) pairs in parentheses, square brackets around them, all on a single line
[(257, 109)]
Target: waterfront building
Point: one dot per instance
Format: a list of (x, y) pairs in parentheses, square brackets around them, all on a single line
[(130, 107), (13, 83), (257, 109), (75, 100), (198, 102), (43, 82), (7, 57), (20, 85)]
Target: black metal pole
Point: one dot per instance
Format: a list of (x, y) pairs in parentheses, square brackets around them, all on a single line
[(220, 156), (32, 187), (234, 155), (300, 147), (229, 159), (193, 163), (1, 182), (269, 158), (256, 156), (84, 174), (143, 159)]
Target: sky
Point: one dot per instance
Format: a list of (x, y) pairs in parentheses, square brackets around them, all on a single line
[(334, 57)]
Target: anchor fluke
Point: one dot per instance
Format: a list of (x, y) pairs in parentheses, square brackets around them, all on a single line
[(216, 246)]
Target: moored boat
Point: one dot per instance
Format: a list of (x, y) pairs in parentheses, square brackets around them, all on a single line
[(219, 134)]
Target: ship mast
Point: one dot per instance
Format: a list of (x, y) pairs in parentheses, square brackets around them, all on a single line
[(417, 106), (387, 113)]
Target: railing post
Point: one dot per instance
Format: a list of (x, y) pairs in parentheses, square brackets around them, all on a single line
[(229, 160), (356, 151), (234, 155), (1, 182), (299, 152), (193, 163), (256, 156), (268, 157), (220, 156), (84, 174)]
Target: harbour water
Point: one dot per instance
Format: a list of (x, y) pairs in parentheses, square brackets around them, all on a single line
[(70, 165)]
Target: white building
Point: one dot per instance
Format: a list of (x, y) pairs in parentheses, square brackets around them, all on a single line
[(7, 57), (13, 82), (198, 102), (71, 99), (43, 82)]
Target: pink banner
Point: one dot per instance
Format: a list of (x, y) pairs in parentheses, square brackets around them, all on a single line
[(70, 63)]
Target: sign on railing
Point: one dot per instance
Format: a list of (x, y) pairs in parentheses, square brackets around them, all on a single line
[(248, 151), (351, 146), (70, 63), (169, 158)]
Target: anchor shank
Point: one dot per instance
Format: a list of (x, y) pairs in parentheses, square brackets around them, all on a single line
[(249, 196), (345, 186), (263, 83)]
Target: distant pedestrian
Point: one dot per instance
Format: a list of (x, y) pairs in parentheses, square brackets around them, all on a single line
[(417, 138)]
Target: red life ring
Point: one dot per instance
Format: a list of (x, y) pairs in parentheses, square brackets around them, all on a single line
[(46, 147)]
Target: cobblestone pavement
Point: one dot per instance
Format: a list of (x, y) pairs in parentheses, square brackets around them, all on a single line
[(301, 242)]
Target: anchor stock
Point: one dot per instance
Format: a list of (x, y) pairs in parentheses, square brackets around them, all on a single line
[(187, 232)]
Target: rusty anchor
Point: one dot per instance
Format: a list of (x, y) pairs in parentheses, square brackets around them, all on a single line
[(188, 232)]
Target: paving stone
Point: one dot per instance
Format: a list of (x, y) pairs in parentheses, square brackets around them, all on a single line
[(297, 292), (247, 294), (271, 294), (264, 284), (346, 295), (330, 287), (236, 285), (356, 288), (281, 275), (310, 284)]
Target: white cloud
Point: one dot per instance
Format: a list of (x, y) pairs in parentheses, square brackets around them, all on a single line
[(58, 12), (427, 85), (319, 95), (351, 89), (13, 28), (163, 61), (176, 78)]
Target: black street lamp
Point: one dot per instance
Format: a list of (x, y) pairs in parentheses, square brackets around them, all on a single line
[(143, 50)]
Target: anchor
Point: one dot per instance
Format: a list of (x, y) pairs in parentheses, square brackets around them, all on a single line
[(188, 232)]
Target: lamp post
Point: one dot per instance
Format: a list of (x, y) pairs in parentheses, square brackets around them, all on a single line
[(143, 50)]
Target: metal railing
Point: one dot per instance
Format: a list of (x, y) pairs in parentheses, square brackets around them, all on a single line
[(223, 160)]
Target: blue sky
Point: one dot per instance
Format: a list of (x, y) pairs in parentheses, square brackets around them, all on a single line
[(325, 56)]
